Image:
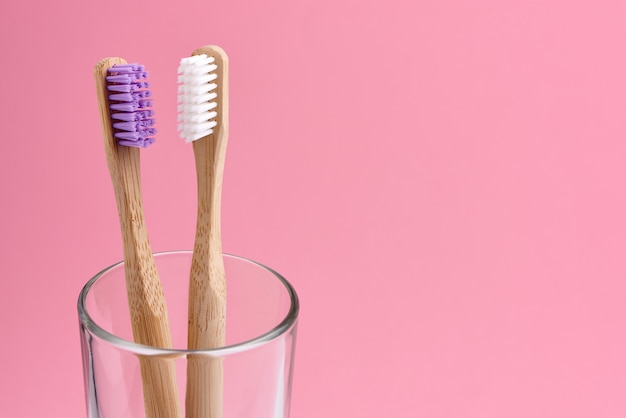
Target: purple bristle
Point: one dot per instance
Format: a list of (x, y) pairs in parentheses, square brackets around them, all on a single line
[(141, 143), (126, 88), (122, 88), (133, 116), (132, 119), (125, 107), (130, 97), (133, 126), (136, 135)]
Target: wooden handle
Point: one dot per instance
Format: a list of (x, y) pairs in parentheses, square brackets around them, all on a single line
[(146, 299), (207, 282)]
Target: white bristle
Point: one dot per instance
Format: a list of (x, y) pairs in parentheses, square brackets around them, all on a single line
[(196, 97)]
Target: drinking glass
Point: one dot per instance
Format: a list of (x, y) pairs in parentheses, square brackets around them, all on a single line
[(256, 361)]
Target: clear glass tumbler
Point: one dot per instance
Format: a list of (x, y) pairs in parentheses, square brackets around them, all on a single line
[(256, 361)]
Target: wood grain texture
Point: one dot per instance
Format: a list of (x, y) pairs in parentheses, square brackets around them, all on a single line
[(207, 282), (146, 299)]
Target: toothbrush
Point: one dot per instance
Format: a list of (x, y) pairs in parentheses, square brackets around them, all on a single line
[(203, 120), (127, 125)]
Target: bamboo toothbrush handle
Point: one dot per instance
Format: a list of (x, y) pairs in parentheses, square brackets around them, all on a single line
[(207, 298), (145, 294), (207, 294)]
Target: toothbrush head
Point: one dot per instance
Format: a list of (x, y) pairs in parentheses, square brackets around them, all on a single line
[(197, 92), (203, 94), (130, 104)]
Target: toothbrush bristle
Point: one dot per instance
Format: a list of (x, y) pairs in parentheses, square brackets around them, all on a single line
[(196, 94), (130, 104)]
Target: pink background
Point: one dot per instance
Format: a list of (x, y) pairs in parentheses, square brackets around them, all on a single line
[(444, 182)]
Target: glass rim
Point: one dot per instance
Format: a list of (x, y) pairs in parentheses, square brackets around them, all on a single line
[(285, 325)]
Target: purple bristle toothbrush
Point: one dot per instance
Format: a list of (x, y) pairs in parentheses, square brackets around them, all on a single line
[(127, 125)]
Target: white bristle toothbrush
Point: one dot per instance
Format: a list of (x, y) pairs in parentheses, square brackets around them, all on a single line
[(203, 120), (127, 122)]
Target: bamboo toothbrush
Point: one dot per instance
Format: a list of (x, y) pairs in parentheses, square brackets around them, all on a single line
[(126, 127), (203, 120)]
